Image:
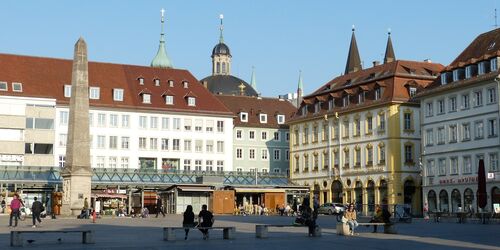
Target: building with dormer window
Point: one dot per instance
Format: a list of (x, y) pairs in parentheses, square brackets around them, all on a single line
[(356, 138)]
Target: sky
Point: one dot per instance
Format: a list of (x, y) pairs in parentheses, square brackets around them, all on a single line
[(279, 38)]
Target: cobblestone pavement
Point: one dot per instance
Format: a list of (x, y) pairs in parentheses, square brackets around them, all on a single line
[(134, 233)]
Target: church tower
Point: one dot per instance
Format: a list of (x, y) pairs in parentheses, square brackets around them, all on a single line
[(221, 56), (390, 56), (161, 59), (300, 90), (353, 60)]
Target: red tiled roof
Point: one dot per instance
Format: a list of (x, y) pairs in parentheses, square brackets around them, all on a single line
[(257, 105), (46, 77)]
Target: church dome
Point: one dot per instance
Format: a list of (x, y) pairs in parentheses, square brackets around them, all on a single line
[(221, 49), (228, 85)]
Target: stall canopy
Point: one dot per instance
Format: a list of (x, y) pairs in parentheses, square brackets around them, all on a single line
[(258, 190), (195, 189), (104, 195)]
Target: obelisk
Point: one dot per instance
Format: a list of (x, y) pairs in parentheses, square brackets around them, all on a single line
[(77, 172)]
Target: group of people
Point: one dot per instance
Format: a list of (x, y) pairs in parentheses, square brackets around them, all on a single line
[(205, 220), (381, 215), (15, 210)]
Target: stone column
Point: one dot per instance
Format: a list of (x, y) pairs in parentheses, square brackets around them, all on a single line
[(77, 173)]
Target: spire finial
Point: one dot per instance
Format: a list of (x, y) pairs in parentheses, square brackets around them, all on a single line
[(353, 28), (162, 11), (389, 31), (221, 38)]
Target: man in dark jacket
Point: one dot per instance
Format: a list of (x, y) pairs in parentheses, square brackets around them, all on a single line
[(36, 210), (159, 207)]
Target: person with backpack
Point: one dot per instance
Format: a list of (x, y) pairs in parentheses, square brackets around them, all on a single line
[(205, 219), (36, 210)]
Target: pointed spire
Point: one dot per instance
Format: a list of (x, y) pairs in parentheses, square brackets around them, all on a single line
[(221, 37), (161, 59), (353, 60), (389, 51), (300, 85), (253, 81), (300, 89)]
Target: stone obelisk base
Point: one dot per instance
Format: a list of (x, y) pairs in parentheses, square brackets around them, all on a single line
[(75, 189)]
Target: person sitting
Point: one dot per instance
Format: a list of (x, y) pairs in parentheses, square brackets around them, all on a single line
[(350, 217), (205, 219), (377, 217), (188, 220)]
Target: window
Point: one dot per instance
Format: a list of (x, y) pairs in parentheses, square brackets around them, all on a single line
[(251, 135), (428, 109), (165, 123), (315, 133), (264, 154), (287, 136), (453, 165), (141, 81), (378, 92), (125, 121), (263, 135), (170, 83), (94, 93), (281, 119), (17, 87), (381, 149), (210, 126), (369, 156), (381, 122), (187, 165), (324, 131), (67, 90), (429, 137), (125, 142), (198, 125), (407, 121), (197, 165), (113, 142), (277, 154), (251, 154), (452, 104), (361, 97), (263, 118), (478, 98), (276, 136), (440, 134), (176, 124), (176, 144), (101, 141), (101, 120), (62, 161), (209, 165), (169, 100), (187, 124), (100, 161), (113, 120), (63, 118), (430, 168), (357, 156), (112, 162), (440, 110), (191, 101), (315, 162), (124, 162), (468, 72), (153, 122), (164, 144), (146, 98), (413, 91), (220, 146), (5, 87), (220, 166), (276, 170), (142, 142), (467, 167), (453, 133), (143, 122), (187, 145), (369, 124), (118, 95), (492, 127), (157, 82), (357, 127), (479, 130), (244, 117), (209, 146), (317, 107), (220, 126), (239, 134), (408, 153), (346, 158), (185, 84), (239, 153), (442, 166), (493, 162), (465, 131), (492, 95), (39, 123), (465, 101), (153, 143), (493, 64), (63, 138), (345, 101), (481, 68), (305, 136), (455, 75), (443, 78), (331, 104)]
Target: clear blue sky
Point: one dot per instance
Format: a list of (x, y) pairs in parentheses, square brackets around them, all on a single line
[(278, 37)]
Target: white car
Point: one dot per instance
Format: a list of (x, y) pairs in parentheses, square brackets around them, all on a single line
[(331, 208)]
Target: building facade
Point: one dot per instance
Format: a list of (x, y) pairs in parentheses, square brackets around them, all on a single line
[(357, 138), (460, 114)]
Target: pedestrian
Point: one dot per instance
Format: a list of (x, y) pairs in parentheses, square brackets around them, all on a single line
[(159, 206), (15, 205), (205, 219), (308, 216), (188, 220), (350, 218), (86, 208), (3, 205), (36, 210), (426, 211)]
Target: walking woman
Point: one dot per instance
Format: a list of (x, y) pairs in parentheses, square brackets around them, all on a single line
[(188, 220)]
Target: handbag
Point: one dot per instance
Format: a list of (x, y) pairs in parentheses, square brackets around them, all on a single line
[(344, 219)]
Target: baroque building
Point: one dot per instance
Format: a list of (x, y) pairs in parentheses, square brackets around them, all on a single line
[(357, 137)]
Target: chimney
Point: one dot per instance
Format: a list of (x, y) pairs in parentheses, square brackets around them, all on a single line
[(376, 63), (205, 84), (427, 60)]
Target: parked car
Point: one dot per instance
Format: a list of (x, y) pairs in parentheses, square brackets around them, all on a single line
[(331, 208)]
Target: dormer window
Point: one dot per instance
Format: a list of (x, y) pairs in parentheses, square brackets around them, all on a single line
[(443, 78), (67, 90), (185, 84), (493, 64), (4, 86), (244, 117), (468, 72), (146, 98), (171, 83), (455, 75), (141, 80), (317, 107), (304, 110), (361, 97), (169, 99), (345, 101), (191, 101), (413, 91), (378, 93), (118, 95), (94, 93), (281, 119), (331, 104), (17, 87), (481, 68), (263, 118), (157, 82)]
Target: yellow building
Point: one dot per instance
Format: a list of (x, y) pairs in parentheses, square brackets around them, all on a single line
[(367, 123)]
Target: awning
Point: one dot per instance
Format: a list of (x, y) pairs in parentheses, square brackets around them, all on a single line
[(258, 190), (103, 195), (195, 189)]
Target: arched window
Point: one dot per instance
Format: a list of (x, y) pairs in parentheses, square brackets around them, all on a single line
[(432, 202), (468, 200), (223, 68), (218, 68), (443, 201), (456, 201)]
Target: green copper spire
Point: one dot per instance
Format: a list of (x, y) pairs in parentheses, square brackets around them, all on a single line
[(301, 86), (161, 59), (253, 81), (221, 37)]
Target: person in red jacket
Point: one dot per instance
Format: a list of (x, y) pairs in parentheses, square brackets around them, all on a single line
[(15, 205)]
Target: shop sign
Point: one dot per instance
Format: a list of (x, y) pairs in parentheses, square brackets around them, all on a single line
[(491, 175), (12, 158), (468, 179)]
